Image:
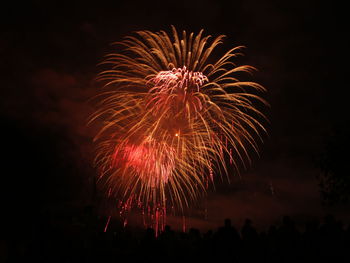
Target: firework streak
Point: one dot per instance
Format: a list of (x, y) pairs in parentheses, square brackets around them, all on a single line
[(170, 118)]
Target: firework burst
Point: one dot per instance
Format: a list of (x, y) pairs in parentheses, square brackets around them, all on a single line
[(170, 118)]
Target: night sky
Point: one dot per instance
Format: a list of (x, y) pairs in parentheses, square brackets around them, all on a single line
[(49, 58)]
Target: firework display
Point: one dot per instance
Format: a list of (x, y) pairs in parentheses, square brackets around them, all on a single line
[(173, 116)]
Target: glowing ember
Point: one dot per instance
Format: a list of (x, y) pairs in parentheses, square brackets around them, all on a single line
[(148, 162)]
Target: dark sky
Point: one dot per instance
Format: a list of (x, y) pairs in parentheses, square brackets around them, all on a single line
[(49, 54)]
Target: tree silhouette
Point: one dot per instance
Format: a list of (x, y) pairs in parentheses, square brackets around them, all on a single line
[(334, 162)]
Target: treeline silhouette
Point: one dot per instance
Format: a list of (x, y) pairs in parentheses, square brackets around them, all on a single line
[(82, 239)]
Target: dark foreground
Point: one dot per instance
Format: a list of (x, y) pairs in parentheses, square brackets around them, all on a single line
[(81, 239)]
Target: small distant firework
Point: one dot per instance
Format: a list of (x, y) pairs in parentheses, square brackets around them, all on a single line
[(171, 118)]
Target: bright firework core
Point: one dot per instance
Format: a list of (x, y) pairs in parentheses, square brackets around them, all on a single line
[(178, 90), (180, 79)]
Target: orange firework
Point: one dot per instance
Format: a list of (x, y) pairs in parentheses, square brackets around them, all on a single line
[(171, 116)]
